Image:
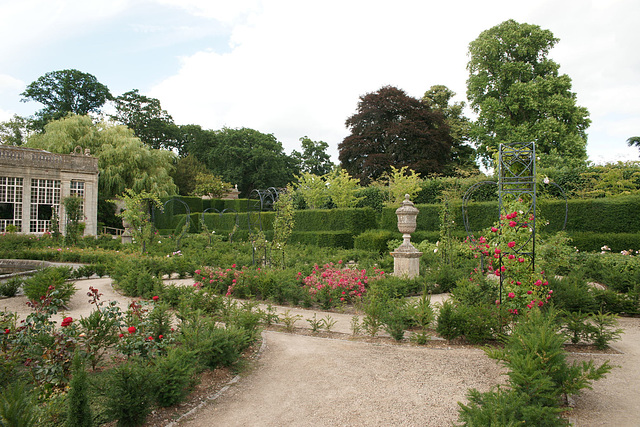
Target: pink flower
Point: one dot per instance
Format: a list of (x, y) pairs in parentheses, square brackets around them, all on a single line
[(155, 298), (512, 256), (518, 283), (511, 244), (511, 295), (520, 259), (529, 292), (512, 223), (503, 268), (497, 251), (538, 282), (198, 272), (494, 230), (540, 304), (233, 266)]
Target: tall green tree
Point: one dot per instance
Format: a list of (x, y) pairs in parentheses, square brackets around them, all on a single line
[(463, 154), (314, 158), (185, 172), (246, 157), (63, 92), (634, 140), (123, 160), (15, 131), (145, 116), (391, 128), (519, 95)]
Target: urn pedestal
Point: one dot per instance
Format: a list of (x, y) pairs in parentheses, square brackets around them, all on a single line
[(406, 258)]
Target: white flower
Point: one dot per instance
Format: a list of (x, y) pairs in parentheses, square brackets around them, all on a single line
[(546, 180), (435, 250)]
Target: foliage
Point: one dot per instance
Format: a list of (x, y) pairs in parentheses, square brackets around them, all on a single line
[(463, 155), (612, 179), (245, 157), (115, 146), (313, 190), (173, 376), (15, 131), (332, 285), (136, 214), (79, 413), (149, 122), (283, 223), (10, 287), (47, 279), (342, 189), (401, 182), (391, 128), (73, 209), (185, 172), (129, 393), (17, 406), (539, 376), (314, 158), (210, 185), (63, 92), (520, 96)]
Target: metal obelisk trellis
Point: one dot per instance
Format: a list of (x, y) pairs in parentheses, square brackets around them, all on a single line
[(517, 185)]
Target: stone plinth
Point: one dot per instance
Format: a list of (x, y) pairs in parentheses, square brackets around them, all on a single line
[(406, 258)]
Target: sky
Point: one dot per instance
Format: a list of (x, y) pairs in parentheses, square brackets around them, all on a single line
[(296, 68)]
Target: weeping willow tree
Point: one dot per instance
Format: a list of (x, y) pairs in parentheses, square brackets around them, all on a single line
[(123, 160)]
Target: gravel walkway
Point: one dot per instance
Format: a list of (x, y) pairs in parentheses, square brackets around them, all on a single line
[(304, 380)]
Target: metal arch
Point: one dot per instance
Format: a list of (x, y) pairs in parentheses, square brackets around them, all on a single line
[(185, 228), (220, 214), (258, 201)]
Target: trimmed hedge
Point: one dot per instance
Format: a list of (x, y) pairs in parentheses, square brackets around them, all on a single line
[(595, 241), (355, 220), (337, 239), (374, 240)]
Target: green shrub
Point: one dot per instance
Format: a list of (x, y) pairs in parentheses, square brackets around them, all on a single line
[(572, 294), (129, 393), (449, 322), (10, 287), (174, 376), (37, 285), (374, 240), (18, 406), (79, 413)]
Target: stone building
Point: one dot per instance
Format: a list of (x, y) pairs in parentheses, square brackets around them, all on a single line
[(33, 184)]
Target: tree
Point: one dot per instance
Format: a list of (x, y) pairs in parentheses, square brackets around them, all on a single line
[(463, 154), (245, 157), (15, 131), (123, 160), (634, 140), (210, 185), (137, 214), (342, 189), (314, 158), (149, 122), (63, 92), (313, 190), (520, 96), (392, 128), (185, 172)]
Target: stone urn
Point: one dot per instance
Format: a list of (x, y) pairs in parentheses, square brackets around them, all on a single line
[(406, 258)]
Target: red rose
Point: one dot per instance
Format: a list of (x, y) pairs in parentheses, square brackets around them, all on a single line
[(132, 329), (160, 336), (66, 322), (121, 335), (156, 298)]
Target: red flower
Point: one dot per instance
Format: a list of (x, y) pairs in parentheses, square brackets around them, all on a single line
[(66, 322), (156, 298), (512, 223), (511, 295), (494, 230), (498, 251), (233, 266), (160, 337), (150, 338), (529, 292), (6, 331), (132, 329), (511, 244)]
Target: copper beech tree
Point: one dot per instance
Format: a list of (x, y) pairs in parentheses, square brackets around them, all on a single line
[(391, 128)]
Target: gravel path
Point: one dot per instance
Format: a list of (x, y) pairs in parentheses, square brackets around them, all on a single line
[(304, 380)]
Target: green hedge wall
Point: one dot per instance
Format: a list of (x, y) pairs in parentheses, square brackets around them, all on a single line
[(595, 241), (337, 239), (355, 220)]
